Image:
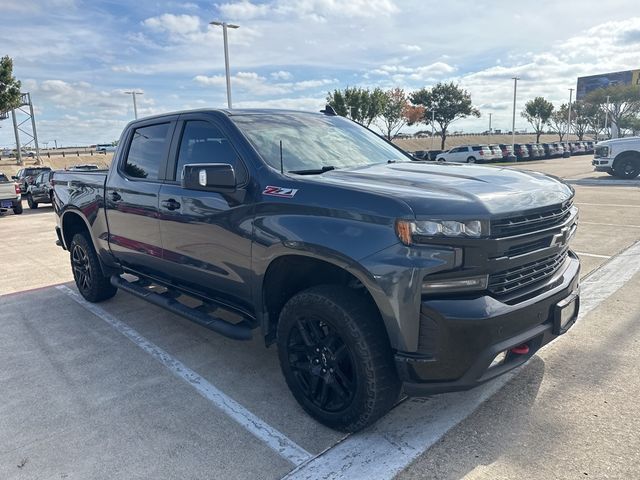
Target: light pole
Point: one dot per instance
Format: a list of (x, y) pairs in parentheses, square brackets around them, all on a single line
[(133, 94), (224, 26), (513, 122), (569, 114), (433, 124), (606, 117)]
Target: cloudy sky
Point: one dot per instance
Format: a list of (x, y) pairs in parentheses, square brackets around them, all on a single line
[(78, 57)]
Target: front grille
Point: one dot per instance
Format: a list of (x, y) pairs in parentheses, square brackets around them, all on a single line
[(528, 247), (531, 222), (514, 279)]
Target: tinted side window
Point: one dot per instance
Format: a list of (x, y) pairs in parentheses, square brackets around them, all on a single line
[(203, 142), (145, 153)]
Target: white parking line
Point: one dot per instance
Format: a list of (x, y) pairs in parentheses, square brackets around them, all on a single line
[(389, 446), (609, 224), (606, 205), (273, 438), (595, 255)]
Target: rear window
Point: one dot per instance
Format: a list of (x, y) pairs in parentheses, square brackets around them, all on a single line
[(3, 178), (35, 171), (145, 153)]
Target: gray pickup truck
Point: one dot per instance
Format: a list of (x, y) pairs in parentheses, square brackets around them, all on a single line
[(371, 272), (10, 196)]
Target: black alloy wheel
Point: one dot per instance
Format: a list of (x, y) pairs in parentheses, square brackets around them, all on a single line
[(81, 268), (321, 364)]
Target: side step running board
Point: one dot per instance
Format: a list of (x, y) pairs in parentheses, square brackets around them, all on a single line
[(238, 331)]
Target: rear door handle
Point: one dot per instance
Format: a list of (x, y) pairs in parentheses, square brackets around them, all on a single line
[(170, 204), (115, 196)]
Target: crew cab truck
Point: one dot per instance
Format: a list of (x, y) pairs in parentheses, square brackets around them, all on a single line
[(372, 272), (10, 196), (619, 157)]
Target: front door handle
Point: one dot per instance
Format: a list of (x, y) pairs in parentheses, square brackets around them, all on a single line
[(115, 197), (170, 204)]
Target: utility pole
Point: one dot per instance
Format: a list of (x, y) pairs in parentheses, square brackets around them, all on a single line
[(569, 114), (489, 139), (513, 122), (133, 94), (17, 134), (34, 131), (224, 26)]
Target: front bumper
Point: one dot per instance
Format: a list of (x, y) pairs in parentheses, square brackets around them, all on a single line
[(602, 164), (461, 337)]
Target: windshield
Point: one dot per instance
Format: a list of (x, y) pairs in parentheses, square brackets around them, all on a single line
[(311, 142)]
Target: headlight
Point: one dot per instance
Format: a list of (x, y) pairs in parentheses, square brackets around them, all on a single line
[(410, 232)]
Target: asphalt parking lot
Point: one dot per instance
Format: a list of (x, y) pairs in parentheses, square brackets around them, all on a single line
[(124, 389)]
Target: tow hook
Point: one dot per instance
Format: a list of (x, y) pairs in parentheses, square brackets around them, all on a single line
[(520, 349)]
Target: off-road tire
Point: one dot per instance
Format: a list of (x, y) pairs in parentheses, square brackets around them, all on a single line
[(627, 167), (353, 319), (92, 284)]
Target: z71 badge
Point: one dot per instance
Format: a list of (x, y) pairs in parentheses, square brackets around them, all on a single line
[(280, 191)]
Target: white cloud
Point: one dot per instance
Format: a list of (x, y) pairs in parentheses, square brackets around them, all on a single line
[(177, 25), (281, 75), (410, 48), (255, 84), (243, 10)]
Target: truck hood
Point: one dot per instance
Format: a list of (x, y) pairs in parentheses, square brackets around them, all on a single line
[(620, 141), (449, 189)]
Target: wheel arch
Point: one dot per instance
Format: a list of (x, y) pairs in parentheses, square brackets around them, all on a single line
[(291, 273)]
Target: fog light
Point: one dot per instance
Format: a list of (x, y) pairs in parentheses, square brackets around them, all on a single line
[(499, 360)]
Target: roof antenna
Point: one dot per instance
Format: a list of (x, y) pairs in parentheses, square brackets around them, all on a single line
[(329, 110), (281, 163)]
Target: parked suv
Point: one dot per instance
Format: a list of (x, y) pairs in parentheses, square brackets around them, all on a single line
[(25, 176), (508, 154), (521, 151), (467, 154), (40, 191)]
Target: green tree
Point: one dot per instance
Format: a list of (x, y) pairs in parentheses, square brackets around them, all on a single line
[(624, 100), (580, 119), (397, 112), (630, 124), (448, 102), (594, 115), (9, 86), (359, 104), (538, 112), (558, 121)]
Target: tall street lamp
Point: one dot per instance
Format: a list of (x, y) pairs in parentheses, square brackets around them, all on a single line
[(224, 26), (133, 94), (513, 122), (490, 127), (569, 114)]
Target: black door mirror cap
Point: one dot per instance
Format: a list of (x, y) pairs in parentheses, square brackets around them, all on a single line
[(213, 177)]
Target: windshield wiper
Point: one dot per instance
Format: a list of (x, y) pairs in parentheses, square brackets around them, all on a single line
[(313, 171)]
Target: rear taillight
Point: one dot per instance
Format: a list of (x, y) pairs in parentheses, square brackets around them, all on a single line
[(17, 188), (480, 152)]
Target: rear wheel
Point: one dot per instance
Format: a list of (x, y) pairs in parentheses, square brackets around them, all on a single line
[(335, 356), (92, 284), (17, 209), (471, 160), (627, 167), (30, 201)]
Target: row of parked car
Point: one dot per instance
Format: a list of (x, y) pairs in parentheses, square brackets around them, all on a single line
[(506, 152), (34, 185)]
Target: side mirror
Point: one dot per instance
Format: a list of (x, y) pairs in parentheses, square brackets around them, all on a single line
[(214, 177)]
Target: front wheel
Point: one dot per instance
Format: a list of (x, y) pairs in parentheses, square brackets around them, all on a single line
[(92, 284), (30, 202), (336, 358), (627, 167)]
